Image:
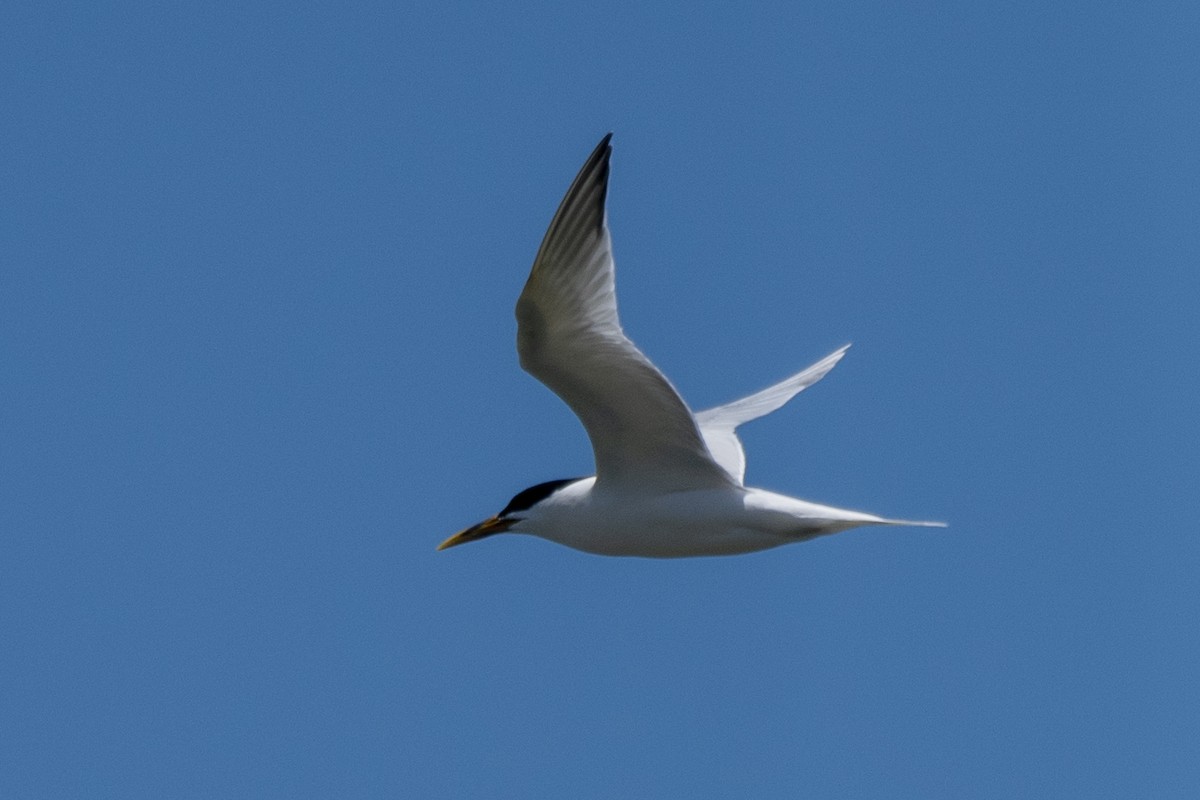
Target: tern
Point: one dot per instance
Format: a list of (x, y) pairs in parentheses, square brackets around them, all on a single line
[(668, 483)]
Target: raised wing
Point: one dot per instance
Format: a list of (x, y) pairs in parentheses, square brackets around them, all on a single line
[(568, 337), (719, 425)]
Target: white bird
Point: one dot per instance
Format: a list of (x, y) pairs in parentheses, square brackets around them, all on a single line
[(668, 483)]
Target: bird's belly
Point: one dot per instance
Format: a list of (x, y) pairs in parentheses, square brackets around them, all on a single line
[(674, 526), (660, 543)]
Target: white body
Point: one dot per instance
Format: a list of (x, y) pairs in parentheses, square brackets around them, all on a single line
[(709, 522)]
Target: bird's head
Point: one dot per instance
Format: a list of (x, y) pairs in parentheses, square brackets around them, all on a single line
[(517, 511)]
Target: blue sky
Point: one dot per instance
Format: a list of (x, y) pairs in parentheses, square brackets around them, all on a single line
[(257, 269)]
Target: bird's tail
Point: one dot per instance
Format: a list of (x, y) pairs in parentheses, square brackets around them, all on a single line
[(912, 523)]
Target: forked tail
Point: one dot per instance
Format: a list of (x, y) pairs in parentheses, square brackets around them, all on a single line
[(913, 523)]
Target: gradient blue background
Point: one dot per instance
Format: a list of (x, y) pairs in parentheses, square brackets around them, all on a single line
[(256, 361)]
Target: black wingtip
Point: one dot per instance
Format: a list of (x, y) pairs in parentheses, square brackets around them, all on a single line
[(582, 207), (600, 154)]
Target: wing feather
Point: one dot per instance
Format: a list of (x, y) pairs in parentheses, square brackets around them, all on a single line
[(569, 337), (719, 425)]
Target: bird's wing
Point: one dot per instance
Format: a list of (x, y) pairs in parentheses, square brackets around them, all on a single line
[(644, 437), (719, 425)]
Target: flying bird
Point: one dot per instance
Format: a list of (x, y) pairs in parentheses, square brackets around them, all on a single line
[(668, 483)]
